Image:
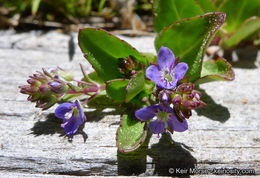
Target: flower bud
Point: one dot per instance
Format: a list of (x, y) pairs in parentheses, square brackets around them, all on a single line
[(185, 88), (44, 89), (176, 100), (58, 86), (127, 66), (165, 96), (182, 113)]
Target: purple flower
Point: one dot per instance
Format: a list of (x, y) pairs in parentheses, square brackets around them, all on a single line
[(161, 117), (72, 115), (166, 75)]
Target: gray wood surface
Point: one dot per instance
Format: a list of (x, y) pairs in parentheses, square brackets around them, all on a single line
[(32, 144)]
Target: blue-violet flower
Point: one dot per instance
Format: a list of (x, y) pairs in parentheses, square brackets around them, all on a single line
[(72, 115), (166, 75), (161, 118)]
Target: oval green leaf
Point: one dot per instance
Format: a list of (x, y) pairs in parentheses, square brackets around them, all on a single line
[(130, 135), (219, 70)]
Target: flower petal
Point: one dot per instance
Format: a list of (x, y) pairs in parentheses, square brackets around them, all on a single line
[(165, 58), (166, 108), (72, 125), (154, 74), (62, 109), (146, 113), (156, 126), (180, 70), (171, 85), (176, 125), (81, 112)]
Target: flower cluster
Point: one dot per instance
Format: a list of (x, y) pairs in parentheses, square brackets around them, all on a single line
[(176, 99), (45, 88)]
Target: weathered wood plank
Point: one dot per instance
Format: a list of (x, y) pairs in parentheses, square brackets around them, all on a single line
[(224, 135)]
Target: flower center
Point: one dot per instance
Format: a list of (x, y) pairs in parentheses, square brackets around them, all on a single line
[(168, 76), (68, 115), (163, 115)]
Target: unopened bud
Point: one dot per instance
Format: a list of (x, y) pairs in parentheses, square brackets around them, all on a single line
[(128, 64), (185, 88), (44, 89), (176, 100), (165, 96), (46, 102), (58, 86), (31, 81)]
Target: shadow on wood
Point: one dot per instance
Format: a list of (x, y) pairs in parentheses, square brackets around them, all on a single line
[(52, 125), (169, 156), (243, 57), (213, 110)]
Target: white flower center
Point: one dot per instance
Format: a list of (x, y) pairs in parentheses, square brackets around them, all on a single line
[(68, 115), (167, 76)]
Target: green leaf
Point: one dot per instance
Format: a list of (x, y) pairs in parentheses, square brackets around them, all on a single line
[(206, 5), (151, 58), (189, 38), (102, 50), (116, 89), (135, 86), (103, 101), (130, 134), (237, 12), (219, 70), (35, 6), (249, 27), (257, 41), (167, 12)]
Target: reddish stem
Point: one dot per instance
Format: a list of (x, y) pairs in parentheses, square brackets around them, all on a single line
[(85, 83)]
